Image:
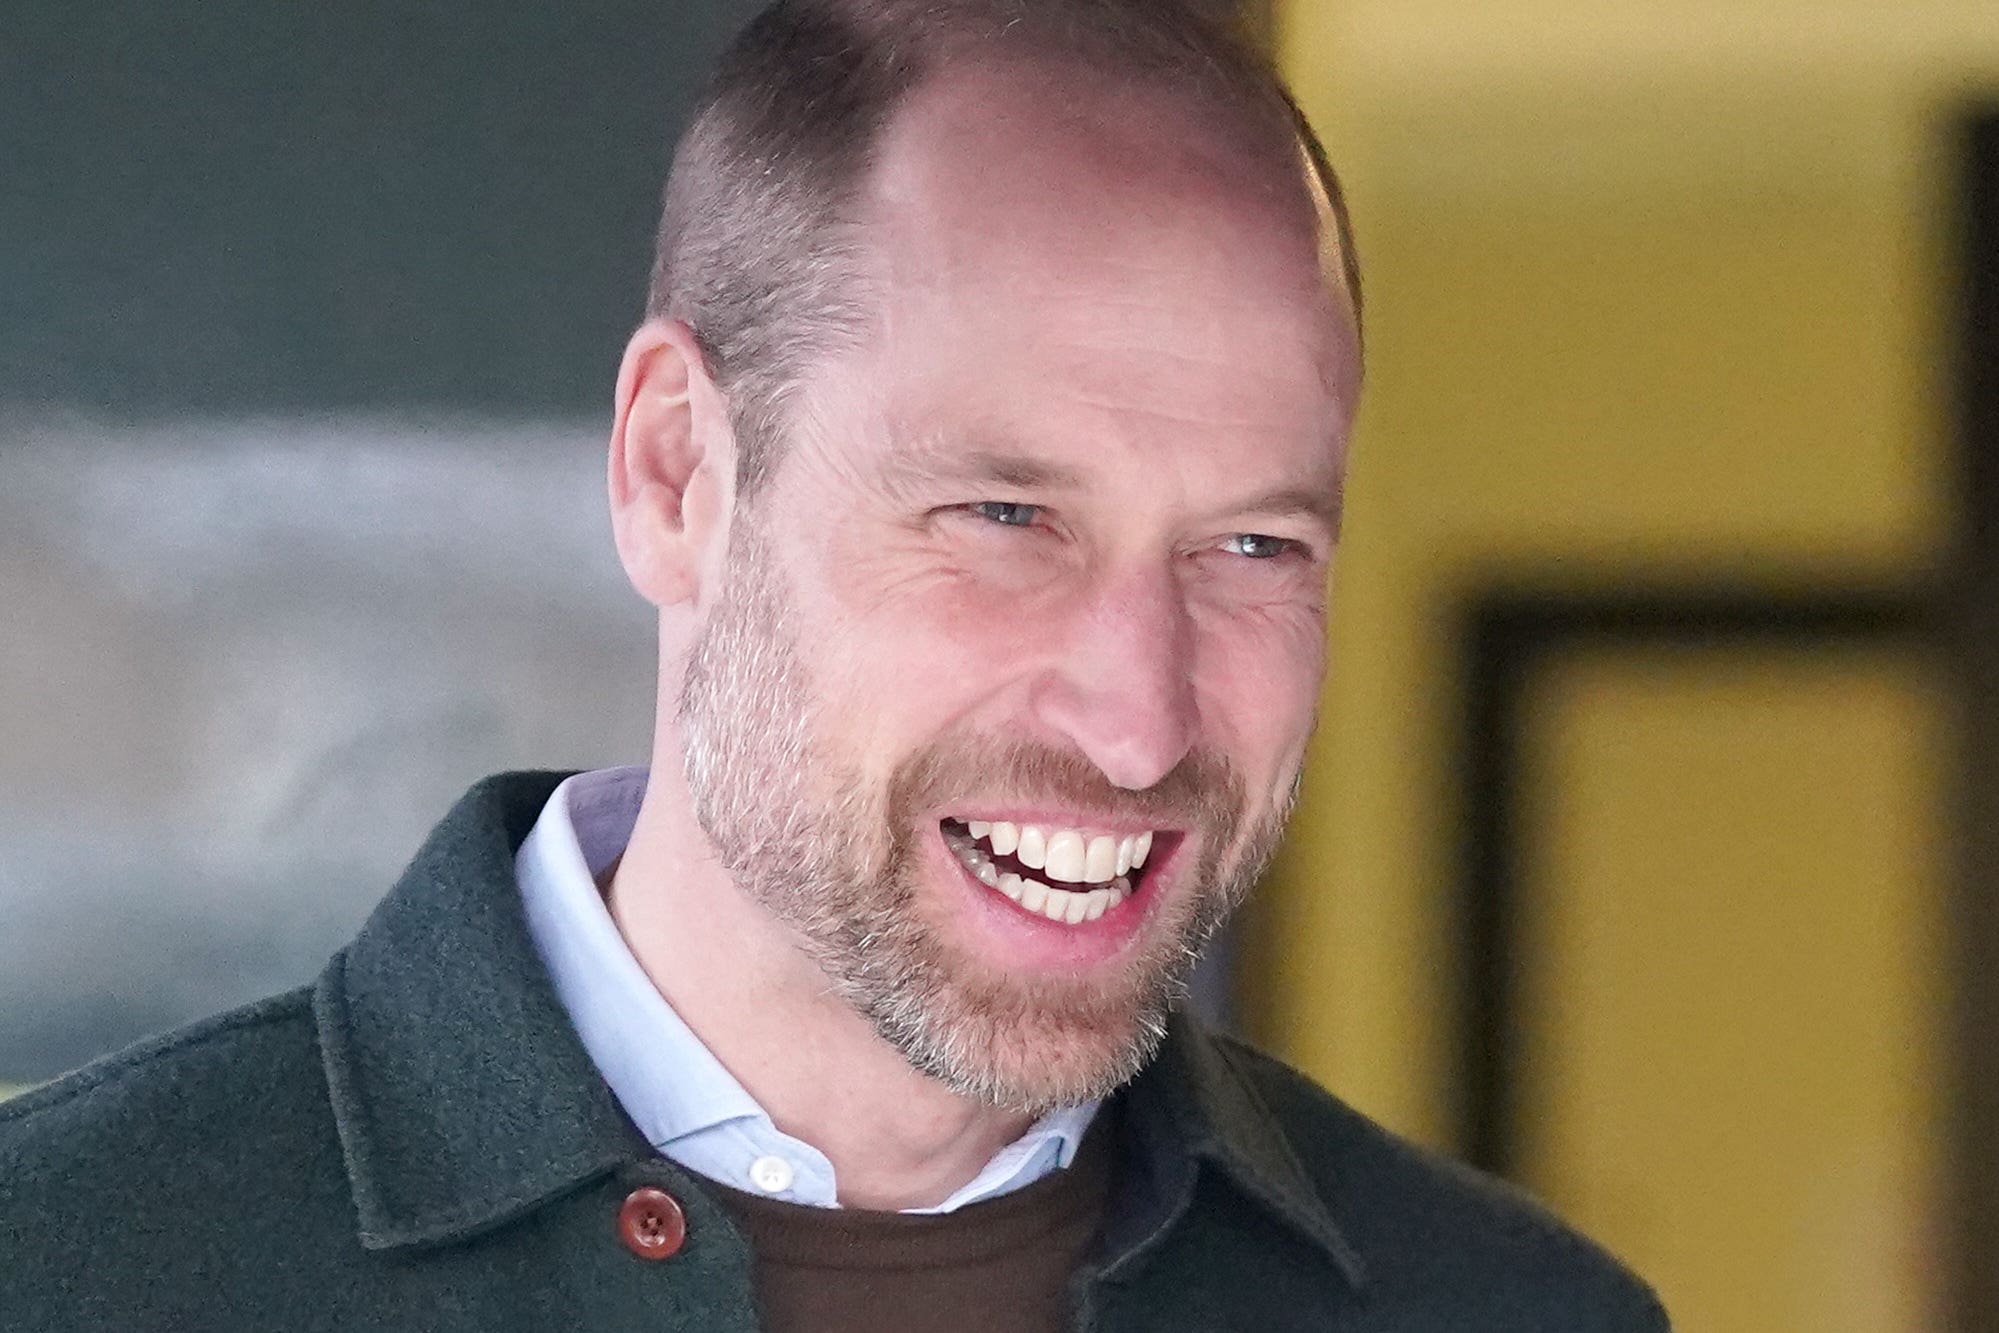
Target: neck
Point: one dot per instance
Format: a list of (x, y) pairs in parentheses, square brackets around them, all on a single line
[(896, 1138)]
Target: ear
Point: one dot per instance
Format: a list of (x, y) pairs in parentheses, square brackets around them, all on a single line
[(672, 465)]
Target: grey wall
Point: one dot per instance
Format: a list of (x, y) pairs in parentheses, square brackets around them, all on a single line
[(247, 665), (222, 206), (308, 319)]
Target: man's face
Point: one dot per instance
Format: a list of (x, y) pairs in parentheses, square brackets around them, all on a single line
[(1005, 703)]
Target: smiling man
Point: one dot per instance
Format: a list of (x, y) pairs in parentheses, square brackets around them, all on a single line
[(982, 451)]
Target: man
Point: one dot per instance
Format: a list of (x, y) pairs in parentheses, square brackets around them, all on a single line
[(982, 451)]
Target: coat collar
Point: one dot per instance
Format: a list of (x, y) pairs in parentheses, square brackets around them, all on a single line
[(1194, 1102), (463, 1097)]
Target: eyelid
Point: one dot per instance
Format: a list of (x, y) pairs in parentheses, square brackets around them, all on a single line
[(1291, 546), (977, 507)]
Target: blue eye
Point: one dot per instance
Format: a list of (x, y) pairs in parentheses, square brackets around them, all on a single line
[(1006, 512), (1257, 546)]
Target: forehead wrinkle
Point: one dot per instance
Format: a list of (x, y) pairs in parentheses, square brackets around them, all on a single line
[(936, 456), (1120, 406)]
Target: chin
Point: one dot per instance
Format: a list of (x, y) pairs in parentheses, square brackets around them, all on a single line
[(1030, 1047), (1036, 1076)]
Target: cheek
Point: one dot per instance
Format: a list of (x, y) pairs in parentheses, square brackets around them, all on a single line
[(909, 646), (945, 595), (1258, 678)]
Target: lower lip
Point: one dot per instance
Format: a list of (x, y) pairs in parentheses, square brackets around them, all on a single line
[(1029, 937)]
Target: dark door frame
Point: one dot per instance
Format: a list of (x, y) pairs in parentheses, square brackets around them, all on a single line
[(1974, 648), (1512, 638), (1509, 634)]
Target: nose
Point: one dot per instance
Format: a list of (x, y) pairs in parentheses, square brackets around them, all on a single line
[(1122, 690)]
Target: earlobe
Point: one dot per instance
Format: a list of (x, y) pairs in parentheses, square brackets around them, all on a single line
[(671, 464)]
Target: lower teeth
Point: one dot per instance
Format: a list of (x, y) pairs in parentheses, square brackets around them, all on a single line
[(1069, 906)]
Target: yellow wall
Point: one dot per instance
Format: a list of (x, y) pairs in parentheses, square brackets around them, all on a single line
[(1655, 293), (1732, 1060)]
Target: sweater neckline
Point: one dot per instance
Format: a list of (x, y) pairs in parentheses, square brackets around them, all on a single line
[(805, 1236)]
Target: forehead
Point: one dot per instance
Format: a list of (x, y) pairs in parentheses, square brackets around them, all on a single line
[(1107, 248), (1033, 165)]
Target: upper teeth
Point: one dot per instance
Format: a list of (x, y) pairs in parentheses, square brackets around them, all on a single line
[(1069, 856)]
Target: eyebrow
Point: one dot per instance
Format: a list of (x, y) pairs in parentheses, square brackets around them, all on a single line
[(929, 464), (1002, 467), (1324, 503)]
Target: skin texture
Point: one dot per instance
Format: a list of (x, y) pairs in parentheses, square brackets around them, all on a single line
[(1115, 327)]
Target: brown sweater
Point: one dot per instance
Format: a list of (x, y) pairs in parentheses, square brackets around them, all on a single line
[(1000, 1266)]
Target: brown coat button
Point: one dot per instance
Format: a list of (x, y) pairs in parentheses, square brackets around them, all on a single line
[(651, 1224)]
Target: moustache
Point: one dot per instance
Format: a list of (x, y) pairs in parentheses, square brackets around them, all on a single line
[(1203, 790)]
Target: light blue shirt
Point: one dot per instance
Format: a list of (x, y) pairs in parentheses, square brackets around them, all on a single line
[(672, 1086)]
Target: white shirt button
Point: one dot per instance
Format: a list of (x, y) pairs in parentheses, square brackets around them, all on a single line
[(772, 1175)]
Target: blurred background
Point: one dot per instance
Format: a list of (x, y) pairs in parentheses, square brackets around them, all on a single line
[(1650, 849)]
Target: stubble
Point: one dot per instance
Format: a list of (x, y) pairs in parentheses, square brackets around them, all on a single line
[(836, 858)]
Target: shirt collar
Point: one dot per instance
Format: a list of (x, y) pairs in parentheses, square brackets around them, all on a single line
[(674, 1088), (668, 1081)]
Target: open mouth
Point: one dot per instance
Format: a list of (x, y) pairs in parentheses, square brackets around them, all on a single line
[(1067, 875)]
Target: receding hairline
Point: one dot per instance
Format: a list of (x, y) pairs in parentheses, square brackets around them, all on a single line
[(763, 240), (1257, 159)]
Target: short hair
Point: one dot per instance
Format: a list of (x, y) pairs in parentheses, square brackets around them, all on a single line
[(758, 252)]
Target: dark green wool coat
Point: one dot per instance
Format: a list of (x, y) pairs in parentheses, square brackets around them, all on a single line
[(418, 1141)]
